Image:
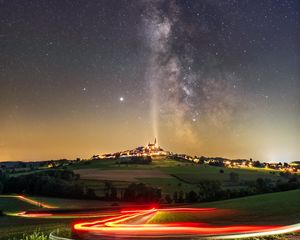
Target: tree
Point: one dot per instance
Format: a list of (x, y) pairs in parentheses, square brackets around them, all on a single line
[(107, 189), (91, 193), (175, 197), (113, 193), (168, 199), (192, 197), (234, 177), (180, 198)]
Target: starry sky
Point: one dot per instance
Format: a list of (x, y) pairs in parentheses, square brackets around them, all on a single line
[(206, 77)]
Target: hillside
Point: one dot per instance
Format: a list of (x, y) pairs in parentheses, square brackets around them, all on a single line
[(167, 174), (273, 208)]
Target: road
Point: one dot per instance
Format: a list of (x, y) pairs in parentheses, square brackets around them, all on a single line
[(133, 224)]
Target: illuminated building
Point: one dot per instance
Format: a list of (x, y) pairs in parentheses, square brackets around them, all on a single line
[(151, 149)]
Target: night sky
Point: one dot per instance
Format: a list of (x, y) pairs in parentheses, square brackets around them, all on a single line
[(214, 78)]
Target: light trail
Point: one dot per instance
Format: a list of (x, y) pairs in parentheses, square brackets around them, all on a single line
[(29, 200), (34, 202), (63, 215), (120, 227)]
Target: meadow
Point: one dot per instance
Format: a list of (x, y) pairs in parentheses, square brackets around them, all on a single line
[(167, 174), (12, 204), (273, 208)]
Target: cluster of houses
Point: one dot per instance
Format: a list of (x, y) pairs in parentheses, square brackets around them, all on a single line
[(144, 154), (293, 167), (152, 149)]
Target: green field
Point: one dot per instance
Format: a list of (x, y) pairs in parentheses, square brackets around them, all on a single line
[(196, 173), (11, 204), (72, 203), (273, 208), (185, 175), (11, 226)]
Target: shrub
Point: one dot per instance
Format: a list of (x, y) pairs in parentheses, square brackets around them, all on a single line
[(37, 235)]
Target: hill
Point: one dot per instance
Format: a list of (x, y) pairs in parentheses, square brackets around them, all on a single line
[(273, 208)]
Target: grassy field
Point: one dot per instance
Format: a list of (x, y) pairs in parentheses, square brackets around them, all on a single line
[(72, 203), (167, 174), (273, 208), (110, 164), (11, 204), (121, 175), (13, 227), (190, 171), (179, 175), (196, 173)]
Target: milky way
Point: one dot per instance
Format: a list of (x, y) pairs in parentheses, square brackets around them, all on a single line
[(180, 89), (214, 78)]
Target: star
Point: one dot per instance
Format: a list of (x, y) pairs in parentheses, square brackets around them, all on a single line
[(121, 99)]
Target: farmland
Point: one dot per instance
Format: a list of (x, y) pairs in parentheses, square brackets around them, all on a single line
[(120, 175), (167, 174)]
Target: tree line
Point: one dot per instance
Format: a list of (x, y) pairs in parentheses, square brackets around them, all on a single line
[(50, 183), (209, 190), (64, 184)]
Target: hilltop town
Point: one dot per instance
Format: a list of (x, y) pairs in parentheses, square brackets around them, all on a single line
[(145, 154), (153, 150)]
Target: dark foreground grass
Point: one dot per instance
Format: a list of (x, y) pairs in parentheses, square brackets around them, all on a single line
[(17, 227)]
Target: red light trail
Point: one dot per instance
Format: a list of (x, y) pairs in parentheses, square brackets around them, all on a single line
[(120, 226)]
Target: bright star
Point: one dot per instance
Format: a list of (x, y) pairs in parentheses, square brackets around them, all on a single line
[(121, 99)]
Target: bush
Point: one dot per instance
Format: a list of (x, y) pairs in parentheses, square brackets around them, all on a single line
[(37, 235), (234, 177)]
